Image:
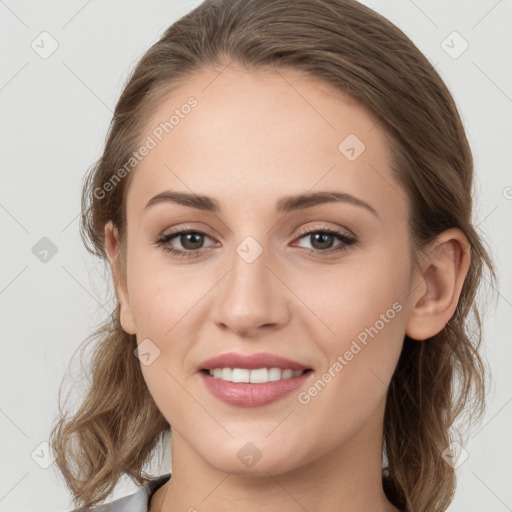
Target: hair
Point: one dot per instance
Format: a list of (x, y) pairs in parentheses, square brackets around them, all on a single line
[(115, 430)]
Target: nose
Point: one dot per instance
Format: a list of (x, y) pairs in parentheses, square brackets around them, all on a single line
[(251, 298)]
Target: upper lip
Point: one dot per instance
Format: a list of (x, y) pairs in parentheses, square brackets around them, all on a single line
[(250, 361)]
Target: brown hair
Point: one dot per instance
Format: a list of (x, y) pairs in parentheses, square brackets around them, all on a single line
[(348, 45)]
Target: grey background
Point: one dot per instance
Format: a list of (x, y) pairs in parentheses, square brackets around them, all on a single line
[(55, 112)]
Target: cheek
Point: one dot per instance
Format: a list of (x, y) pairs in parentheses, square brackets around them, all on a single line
[(368, 288), (165, 301), (159, 292), (365, 311), (368, 308)]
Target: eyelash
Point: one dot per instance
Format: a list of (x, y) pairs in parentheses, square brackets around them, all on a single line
[(343, 237)]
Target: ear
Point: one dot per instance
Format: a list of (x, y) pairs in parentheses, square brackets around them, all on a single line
[(442, 275), (112, 248)]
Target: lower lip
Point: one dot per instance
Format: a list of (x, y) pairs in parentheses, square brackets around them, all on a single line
[(244, 394)]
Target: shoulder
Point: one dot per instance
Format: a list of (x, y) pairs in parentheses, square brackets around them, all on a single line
[(135, 502)]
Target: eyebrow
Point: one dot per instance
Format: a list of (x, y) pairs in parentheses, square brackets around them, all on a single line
[(285, 204)]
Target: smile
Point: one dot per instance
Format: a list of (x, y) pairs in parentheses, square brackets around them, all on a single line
[(256, 376), (247, 393)]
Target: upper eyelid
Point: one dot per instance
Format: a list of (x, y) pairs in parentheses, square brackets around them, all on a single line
[(302, 232), (309, 229), (338, 230)]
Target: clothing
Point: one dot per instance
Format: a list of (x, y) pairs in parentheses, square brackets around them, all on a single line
[(135, 502)]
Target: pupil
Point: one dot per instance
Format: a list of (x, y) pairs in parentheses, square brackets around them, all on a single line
[(193, 239), (321, 238)]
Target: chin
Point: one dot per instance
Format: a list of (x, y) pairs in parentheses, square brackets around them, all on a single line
[(256, 458)]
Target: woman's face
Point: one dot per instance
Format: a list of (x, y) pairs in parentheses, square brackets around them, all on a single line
[(261, 276)]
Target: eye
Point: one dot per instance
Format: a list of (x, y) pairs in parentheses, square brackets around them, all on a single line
[(190, 240), (322, 240)]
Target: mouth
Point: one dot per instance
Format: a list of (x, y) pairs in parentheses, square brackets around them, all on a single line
[(254, 376), (252, 380)]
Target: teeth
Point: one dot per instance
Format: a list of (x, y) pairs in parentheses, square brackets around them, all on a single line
[(257, 376)]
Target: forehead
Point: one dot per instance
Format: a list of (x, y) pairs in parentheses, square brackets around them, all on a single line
[(253, 136)]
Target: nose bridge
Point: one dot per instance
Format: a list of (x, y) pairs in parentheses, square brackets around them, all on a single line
[(251, 296)]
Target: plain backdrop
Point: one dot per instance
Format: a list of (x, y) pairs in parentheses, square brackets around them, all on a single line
[(55, 111)]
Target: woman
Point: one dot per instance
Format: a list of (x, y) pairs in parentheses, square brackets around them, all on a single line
[(284, 200)]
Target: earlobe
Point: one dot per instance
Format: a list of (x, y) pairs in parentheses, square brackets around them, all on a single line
[(112, 249), (444, 270)]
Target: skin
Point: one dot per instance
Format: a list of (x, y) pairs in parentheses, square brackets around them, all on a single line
[(254, 137)]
